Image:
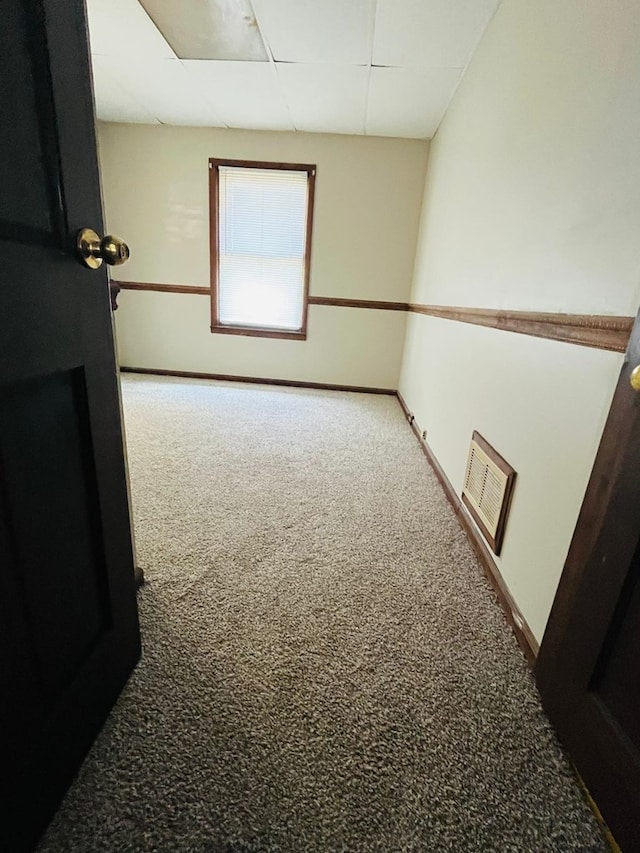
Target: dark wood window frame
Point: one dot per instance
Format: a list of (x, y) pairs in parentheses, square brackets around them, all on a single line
[(216, 326)]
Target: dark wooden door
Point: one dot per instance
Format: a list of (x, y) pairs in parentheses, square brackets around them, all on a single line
[(68, 621), (588, 669)]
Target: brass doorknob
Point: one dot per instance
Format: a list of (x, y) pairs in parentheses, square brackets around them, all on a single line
[(92, 251), (634, 379)]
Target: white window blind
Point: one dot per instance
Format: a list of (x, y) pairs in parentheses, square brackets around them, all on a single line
[(262, 225)]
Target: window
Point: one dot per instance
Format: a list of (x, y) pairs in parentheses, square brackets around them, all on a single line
[(261, 221)]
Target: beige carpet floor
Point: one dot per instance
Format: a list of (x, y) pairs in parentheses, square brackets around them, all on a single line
[(324, 667)]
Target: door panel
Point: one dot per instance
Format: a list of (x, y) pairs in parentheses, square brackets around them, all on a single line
[(30, 205), (25, 199), (70, 634), (588, 670), (51, 508), (617, 678)]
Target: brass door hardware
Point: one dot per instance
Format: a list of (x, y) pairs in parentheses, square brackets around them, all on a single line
[(92, 251)]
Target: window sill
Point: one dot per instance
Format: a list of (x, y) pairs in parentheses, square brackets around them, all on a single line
[(251, 332)]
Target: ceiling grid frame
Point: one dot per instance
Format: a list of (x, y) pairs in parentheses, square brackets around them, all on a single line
[(316, 90), (370, 66), (272, 62)]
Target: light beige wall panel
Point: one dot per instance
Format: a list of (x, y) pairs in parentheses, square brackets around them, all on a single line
[(533, 196), (528, 397), (532, 202), (368, 198), (345, 346)]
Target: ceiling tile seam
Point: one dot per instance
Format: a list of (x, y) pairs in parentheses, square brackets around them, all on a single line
[(473, 50), (283, 95), (465, 68), (160, 33), (201, 90), (130, 97), (366, 103), (372, 29), (262, 32), (274, 65), (449, 101), (136, 100), (372, 35), (328, 62), (423, 68)]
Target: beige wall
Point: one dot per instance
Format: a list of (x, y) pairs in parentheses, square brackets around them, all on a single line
[(532, 202), (368, 197)]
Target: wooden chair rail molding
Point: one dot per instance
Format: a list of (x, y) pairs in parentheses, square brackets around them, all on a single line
[(358, 303), (590, 330), (600, 331), (162, 288), (313, 300)]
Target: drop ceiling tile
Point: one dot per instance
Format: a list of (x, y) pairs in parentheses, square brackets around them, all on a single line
[(325, 98), (165, 90), (209, 29), (429, 33), (122, 28), (312, 31), (113, 103), (242, 94), (409, 102)]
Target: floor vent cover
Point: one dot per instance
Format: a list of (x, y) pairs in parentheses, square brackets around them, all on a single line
[(488, 485)]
